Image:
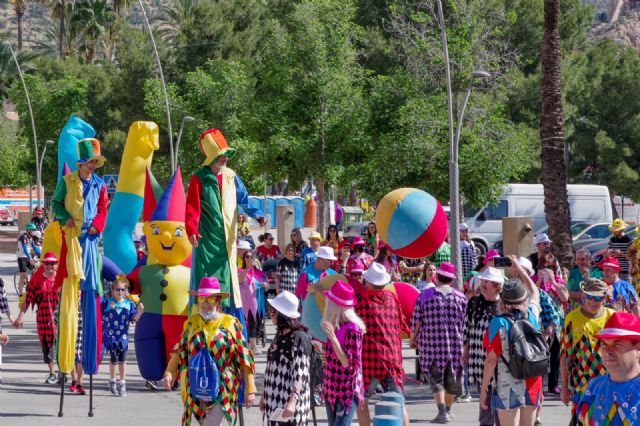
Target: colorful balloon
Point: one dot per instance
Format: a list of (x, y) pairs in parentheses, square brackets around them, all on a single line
[(411, 222)]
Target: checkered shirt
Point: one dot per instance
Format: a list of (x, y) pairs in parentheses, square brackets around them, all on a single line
[(469, 258), (288, 367), (4, 304), (287, 272), (478, 316), (41, 292), (344, 384), (382, 343), (549, 314), (443, 254), (441, 317)]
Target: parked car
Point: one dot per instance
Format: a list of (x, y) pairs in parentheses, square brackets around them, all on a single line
[(596, 245), (6, 218), (355, 229)]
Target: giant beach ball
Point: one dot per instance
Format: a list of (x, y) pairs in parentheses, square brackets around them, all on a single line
[(411, 222)]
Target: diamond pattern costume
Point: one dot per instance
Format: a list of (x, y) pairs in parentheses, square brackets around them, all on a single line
[(288, 363), (441, 315), (382, 343), (479, 314), (582, 349), (608, 403), (344, 384), (223, 338), (41, 292)]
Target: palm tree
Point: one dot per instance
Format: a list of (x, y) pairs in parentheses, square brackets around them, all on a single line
[(92, 20), (172, 16), (19, 6), (119, 6), (552, 154), (61, 9)]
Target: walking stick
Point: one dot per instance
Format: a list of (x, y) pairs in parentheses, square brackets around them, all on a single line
[(313, 412), (63, 379), (90, 395), (241, 415)]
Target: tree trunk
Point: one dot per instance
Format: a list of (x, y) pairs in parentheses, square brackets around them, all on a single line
[(552, 154), (19, 15), (322, 219), (63, 12)]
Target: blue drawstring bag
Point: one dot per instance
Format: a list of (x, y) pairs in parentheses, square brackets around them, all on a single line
[(203, 376)]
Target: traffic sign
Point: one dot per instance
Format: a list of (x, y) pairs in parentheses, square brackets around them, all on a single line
[(112, 183)]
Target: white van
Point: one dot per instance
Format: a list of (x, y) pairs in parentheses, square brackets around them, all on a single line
[(587, 203)]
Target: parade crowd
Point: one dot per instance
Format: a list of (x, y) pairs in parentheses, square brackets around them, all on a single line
[(515, 324)]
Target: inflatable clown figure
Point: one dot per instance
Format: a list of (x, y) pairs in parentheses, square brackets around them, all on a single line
[(163, 286), (215, 192)]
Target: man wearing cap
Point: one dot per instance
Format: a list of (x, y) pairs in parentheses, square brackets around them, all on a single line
[(619, 244), (612, 399), (43, 294), (467, 251), (313, 273), (27, 251), (623, 295), (214, 194), (480, 310), (437, 326), (580, 358), (221, 335), (543, 244), (309, 255), (39, 219), (382, 344)]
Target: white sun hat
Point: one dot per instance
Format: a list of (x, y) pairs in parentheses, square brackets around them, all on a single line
[(326, 253), (377, 275), (286, 303)]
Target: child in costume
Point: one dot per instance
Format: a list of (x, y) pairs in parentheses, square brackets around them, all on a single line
[(215, 192), (117, 313), (4, 308), (42, 293)]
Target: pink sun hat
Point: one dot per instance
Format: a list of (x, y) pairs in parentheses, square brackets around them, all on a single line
[(446, 269), (358, 241), (341, 294), (491, 254), (210, 286)]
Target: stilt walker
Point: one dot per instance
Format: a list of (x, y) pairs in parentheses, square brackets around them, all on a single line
[(80, 205)]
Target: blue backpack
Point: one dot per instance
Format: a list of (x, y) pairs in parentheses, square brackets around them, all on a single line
[(203, 376)]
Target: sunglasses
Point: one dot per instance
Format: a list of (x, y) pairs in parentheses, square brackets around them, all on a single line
[(119, 290), (595, 298), (49, 263), (210, 299), (356, 275)]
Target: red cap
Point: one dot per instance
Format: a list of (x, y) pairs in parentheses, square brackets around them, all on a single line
[(611, 262), (621, 325), (50, 257)]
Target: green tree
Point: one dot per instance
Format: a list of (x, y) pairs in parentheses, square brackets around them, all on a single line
[(310, 99), (92, 20)]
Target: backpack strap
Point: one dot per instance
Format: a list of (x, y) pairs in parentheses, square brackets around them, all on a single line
[(508, 317)]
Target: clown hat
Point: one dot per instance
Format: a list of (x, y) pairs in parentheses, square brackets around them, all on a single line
[(171, 206), (152, 193), (446, 269), (213, 145), (89, 149), (621, 325)]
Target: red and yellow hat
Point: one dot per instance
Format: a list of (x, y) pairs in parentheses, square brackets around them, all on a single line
[(213, 144)]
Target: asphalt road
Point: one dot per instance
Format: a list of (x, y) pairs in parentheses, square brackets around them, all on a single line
[(26, 400)]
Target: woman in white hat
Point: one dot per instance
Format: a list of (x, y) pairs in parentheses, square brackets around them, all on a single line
[(342, 387), (287, 375), (480, 310)]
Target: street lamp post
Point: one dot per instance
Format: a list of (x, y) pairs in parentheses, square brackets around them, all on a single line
[(164, 86), (185, 119), (454, 139), (33, 125), (39, 165)]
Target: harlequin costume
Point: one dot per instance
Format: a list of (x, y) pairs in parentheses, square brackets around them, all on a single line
[(163, 286), (116, 317), (223, 339), (43, 294), (84, 201), (212, 214), (606, 402)]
